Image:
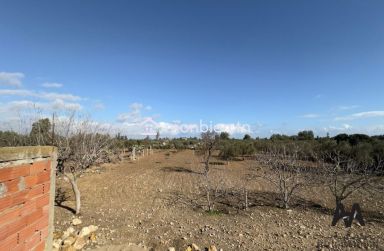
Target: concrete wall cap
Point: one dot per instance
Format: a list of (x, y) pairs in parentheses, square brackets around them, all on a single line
[(26, 152)]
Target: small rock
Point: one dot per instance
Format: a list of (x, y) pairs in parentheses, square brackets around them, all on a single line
[(57, 243), (85, 231), (79, 243), (69, 241), (76, 221), (212, 248), (195, 247), (171, 249), (70, 231), (68, 248)]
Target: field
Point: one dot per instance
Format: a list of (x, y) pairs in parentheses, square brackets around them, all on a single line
[(159, 201)]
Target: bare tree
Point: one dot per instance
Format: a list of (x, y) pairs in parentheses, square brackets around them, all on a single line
[(344, 176), (214, 187), (209, 143), (80, 144), (285, 172)]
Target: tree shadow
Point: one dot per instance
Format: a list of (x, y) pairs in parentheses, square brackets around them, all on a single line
[(178, 169), (61, 197), (234, 199), (373, 216)]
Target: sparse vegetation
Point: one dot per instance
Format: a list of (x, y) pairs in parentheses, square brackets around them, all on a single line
[(286, 167)]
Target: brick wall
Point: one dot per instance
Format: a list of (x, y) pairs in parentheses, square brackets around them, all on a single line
[(27, 180)]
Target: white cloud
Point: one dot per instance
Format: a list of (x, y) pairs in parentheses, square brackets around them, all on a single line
[(55, 105), (134, 124), (59, 104), (347, 107), (362, 115), (343, 127), (133, 116), (347, 128), (64, 96), (11, 78), (18, 105), (310, 116), (52, 85), (41, 95)]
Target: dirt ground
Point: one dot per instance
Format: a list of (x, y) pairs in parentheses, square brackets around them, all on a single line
[(159, 201)]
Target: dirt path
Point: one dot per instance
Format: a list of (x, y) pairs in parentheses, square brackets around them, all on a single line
[(157, 201)]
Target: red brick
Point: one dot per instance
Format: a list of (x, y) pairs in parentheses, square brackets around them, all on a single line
[(43, 177), (39, 178), (12, 227), (40, 246), (46, 209), (8, 243), (42, 201), (34, 216), (5, 202), (47, 186), (10, 214), (36, 191), (49, 165), (42, 223), (20, 247), (39, 166), (28, 207), (44, 233), (11, 173), (30, 181), (33, 241), (27, 232), (12, 185), (19, 198)]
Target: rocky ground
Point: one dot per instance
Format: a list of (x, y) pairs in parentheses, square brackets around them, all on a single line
[(158, 202)]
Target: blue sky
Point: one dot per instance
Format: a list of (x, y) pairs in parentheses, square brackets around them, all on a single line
[(279, 66)]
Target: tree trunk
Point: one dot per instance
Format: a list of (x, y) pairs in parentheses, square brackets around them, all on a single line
[(246, 199), (286, 200), (209, 201), (76, 192)]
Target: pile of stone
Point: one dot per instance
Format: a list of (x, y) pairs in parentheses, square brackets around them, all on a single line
[(71, 240), (194, 247)]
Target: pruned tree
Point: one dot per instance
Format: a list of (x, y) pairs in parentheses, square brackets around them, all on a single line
[(284, 171), (80, 144), (344, 176), (209, 143)]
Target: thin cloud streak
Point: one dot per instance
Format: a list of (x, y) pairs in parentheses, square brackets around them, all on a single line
[(362, 115), (52, 85)]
